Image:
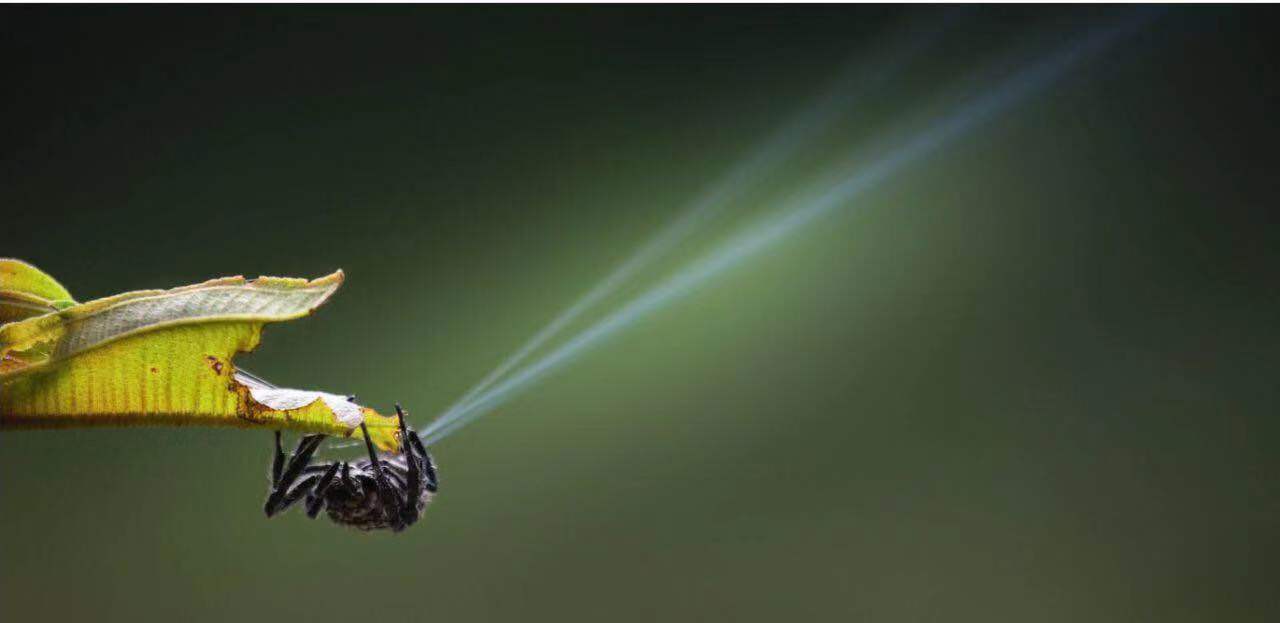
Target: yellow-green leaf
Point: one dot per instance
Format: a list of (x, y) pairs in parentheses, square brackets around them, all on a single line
[(165, 357), (27, 291)]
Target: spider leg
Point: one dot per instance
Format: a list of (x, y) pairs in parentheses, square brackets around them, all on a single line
[(428, 465), (291, 497), (413, 488), (346, 477), (385, 494), (301, 456), (277, 464), (394, 476), (316, 499)]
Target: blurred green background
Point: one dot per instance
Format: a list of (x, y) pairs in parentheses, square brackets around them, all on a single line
[(1033, 377)]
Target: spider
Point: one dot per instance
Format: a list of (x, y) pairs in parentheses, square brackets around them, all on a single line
[(373, 494)]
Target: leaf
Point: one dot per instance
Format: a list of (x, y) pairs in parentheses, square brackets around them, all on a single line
[(27, 291), (165, 357)]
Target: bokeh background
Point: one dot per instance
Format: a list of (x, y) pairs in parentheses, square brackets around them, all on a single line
[(1031, 378)]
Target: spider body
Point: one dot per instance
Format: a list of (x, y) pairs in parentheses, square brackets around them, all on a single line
[(355, 500), (377, 493)]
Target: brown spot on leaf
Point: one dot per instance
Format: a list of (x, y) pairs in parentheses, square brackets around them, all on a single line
[(215, 363), (155, 370)]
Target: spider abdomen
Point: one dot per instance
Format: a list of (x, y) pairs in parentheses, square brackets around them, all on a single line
[(362, 506), (364, 512)]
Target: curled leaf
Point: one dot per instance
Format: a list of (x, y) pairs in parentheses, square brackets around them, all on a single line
[(27, 291), (165, 357)]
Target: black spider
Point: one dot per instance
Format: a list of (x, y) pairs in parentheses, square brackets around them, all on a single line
[(373, 494)]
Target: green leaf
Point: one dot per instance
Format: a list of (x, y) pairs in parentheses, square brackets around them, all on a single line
[(26, 291), (165, 357)]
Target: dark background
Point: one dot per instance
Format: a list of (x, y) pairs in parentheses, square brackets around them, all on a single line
[(1031, 377)]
